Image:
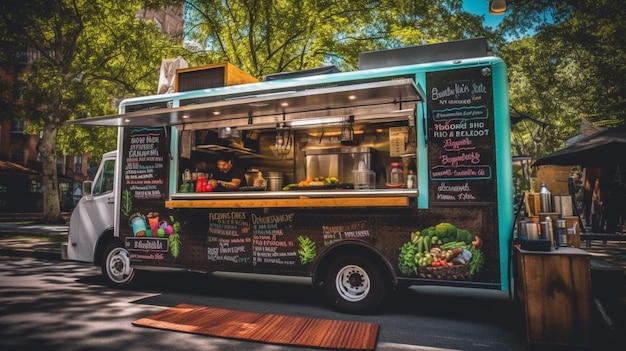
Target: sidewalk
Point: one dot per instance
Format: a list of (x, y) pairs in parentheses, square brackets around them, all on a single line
[(30, 239)]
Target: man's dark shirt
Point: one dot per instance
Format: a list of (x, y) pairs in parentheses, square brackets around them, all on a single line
[(234, 172)]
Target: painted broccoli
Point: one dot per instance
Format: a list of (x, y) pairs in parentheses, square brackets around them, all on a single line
[(464, 235), (446, 232)]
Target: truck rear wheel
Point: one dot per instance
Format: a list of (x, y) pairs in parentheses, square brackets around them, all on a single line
[(355, 285), (116, 267)]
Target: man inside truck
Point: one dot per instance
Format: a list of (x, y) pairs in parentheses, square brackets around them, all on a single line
[(228, 177)]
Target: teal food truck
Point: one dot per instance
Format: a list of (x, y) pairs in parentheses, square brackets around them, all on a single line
[(362, 181)]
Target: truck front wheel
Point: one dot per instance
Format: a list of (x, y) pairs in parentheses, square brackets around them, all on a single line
[(355, 285), (116, 267)]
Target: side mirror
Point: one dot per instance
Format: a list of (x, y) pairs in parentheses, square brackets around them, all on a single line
[(87, 187)]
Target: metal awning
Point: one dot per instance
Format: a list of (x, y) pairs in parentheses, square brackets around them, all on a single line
[(365, 101)]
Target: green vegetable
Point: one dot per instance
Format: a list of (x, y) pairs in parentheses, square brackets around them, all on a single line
[(406, 259), (464, 235), (453, 244), (477, 260), (415, 236), (427, 244), (428, 232), (446, 232)]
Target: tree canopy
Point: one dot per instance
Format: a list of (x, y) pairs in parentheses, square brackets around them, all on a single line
[(571, 68), (83, 56), (271, 36)]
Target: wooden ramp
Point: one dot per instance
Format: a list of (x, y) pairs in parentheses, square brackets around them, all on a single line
[(266, 328)]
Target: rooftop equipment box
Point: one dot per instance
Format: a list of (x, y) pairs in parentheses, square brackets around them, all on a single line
[(211, 76)]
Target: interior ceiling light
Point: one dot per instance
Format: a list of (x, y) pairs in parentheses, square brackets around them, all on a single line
[(258, 104), (316, 121), (497, 7)]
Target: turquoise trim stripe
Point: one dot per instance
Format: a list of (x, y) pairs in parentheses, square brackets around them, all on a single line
[(504, 180)]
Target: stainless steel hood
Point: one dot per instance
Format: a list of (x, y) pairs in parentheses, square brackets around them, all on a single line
[(370, 100)]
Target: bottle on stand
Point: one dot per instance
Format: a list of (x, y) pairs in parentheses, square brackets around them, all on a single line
[(545, 198), (411, 180), (561, 232), (549, 230)]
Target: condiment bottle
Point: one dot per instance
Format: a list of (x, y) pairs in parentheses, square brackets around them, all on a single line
[(411, 180), (550, 231), (561, 232)]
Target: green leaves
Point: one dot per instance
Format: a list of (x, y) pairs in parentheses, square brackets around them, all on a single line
[(306, 249), (571, 68), (264, 37)]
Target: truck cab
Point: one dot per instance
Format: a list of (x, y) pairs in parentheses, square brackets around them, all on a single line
[(92, 221)]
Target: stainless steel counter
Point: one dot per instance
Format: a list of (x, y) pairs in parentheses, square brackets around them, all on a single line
[(295, 194)]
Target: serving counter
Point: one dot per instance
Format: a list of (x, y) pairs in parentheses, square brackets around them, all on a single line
[(295, 199), (553, 290)]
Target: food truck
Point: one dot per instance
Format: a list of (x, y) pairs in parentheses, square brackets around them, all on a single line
[(362, 181)]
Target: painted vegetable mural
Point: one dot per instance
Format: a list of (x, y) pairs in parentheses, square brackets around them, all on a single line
[(442, 251)]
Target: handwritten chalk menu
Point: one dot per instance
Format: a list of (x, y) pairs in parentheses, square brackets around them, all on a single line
[(242, 237), (461, 141), (335, 233), (229, 240), (271, 244), (145, 165)]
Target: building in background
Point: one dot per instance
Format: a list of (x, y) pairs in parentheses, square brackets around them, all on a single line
[(20, 163)]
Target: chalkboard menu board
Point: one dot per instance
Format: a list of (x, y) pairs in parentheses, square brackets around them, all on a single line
[(242, 237), (144, 169), (461, 152)]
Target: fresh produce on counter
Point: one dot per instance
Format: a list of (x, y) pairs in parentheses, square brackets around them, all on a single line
[(316, 181)]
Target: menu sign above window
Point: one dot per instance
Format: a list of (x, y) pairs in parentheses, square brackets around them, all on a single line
[(461, 142)]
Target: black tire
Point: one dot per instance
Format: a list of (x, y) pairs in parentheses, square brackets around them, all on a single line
[(355, 285), (116, 268)]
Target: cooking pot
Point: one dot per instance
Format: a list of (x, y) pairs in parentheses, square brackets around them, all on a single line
[(274, 181)]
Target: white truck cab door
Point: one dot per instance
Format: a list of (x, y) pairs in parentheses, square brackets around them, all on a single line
[(93, 215)]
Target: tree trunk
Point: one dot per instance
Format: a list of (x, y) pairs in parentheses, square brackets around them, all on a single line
[(50, 183)]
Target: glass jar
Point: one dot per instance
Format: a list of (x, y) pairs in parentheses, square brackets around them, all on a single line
[(396, 175)]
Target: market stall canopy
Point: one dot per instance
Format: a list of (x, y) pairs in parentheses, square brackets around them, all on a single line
[(600, 149)]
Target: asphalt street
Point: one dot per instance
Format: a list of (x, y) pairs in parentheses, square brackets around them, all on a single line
[(32, 240)]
